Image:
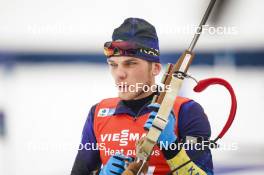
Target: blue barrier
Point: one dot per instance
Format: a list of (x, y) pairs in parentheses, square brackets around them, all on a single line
[(243, 58)]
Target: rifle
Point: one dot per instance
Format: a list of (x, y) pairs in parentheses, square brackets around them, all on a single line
[(174, 77)]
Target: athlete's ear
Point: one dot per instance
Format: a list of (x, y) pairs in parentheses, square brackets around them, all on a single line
[(156, 68)]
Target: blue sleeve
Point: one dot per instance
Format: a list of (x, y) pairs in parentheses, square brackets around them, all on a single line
[(194, 122), (87, 159)]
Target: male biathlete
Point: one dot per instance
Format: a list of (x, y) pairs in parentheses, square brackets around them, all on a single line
[(115, 124)]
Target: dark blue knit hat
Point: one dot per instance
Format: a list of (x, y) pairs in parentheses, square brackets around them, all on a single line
[(143, 37)]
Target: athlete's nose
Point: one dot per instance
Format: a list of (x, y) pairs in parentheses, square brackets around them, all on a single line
[(121, 73)]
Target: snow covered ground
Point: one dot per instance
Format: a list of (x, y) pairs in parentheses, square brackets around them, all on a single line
[(46, 105)]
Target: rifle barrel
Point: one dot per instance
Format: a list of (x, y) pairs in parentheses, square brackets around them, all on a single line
[(200, 28)]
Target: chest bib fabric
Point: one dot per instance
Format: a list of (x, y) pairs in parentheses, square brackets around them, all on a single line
[(119, 133)]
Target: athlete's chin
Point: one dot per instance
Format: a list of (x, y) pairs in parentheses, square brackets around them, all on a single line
[(126, 95)]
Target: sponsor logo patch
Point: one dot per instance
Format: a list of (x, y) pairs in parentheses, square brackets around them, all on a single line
[(106, 112)]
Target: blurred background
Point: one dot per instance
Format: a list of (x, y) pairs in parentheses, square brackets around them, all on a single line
[(52, 70)]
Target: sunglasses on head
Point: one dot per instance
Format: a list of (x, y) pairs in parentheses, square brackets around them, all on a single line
[(119, 48)]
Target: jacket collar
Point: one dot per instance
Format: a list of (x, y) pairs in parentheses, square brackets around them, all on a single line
[(122, 108)]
